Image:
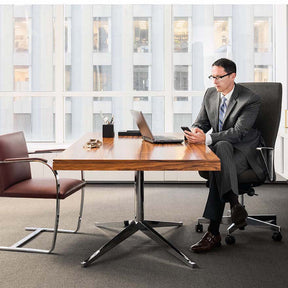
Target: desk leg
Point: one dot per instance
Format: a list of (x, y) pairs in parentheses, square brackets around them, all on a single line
[(120, 224), (124, 234), (140, 224), (145, 227), (159, 224), (154, 235)]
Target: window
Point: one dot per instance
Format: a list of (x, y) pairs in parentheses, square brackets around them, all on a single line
[(22, 32), (181, 77), (141, 76), (221, 34), (262, 73), (68, 72), (262, 35), (111, 58), (67, 34), (102, 80), (141, 35), (181, 34), (21, 78), (101, 34)]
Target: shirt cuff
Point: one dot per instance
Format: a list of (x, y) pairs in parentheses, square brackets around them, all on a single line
[(208, 140)]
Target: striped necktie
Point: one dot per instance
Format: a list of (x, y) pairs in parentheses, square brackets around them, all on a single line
[(222, 112)]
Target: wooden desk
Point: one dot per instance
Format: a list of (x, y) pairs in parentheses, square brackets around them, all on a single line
[(132, 153)]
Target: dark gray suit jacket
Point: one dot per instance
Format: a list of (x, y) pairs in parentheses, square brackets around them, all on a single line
[(238, 127)]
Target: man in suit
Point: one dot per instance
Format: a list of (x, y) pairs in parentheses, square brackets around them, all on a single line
[(230, 110)]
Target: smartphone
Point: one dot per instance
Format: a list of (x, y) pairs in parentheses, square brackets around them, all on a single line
[(185, 128)]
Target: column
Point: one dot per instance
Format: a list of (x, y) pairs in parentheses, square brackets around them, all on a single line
[(243, 36), (42, 115), (82, 68), (202, 44), (6, 68)]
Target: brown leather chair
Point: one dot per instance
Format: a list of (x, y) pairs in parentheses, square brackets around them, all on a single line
[(16, 181), (268, 123)]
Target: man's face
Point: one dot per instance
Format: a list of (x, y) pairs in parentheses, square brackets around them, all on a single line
[(225, 84)]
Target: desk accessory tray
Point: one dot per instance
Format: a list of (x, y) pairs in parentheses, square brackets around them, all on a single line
[(129, 133)]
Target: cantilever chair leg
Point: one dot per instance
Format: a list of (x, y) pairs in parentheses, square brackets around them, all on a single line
[(36, 231)]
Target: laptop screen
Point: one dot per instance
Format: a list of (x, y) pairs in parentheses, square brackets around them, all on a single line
[(142, 124)]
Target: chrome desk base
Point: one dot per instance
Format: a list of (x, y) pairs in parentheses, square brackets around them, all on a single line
[(132, 226), (126, 223)]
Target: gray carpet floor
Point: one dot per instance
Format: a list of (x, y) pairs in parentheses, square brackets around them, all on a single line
[(255, 260)]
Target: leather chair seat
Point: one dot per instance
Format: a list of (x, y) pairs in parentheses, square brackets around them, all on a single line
[(43, 188)]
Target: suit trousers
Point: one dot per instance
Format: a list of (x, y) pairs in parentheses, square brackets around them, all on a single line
[(233, 163)]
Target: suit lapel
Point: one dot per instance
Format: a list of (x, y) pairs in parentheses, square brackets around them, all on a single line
[(215, 103)]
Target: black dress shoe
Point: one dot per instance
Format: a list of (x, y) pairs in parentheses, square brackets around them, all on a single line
[(208, 242), (239, 215)]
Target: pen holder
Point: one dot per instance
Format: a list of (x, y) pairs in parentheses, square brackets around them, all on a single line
[(108, 131)]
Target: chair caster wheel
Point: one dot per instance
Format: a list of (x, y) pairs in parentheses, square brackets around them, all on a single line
[(199, 228), (277, 236), (229, 239)]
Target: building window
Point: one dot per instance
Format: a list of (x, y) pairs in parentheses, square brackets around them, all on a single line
[(101, 34), (181, 34), (21, 35), (21, 78), (68, 74), (221, 34), (181, 77), (262, 35), (141, 35), (261, 73), (102, 78), (141, 76), (67, 34)]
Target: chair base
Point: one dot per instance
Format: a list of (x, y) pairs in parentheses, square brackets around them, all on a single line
[(263, 221), (36, 231), (17, 247)]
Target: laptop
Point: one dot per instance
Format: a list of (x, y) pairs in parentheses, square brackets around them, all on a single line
[(147, 134)]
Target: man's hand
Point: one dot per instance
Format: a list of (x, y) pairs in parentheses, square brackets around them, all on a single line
[(196, 136)]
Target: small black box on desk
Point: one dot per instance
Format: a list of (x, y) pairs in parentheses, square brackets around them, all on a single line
[(129, 133)]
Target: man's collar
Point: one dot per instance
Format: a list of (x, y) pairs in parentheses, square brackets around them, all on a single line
[(228, 95)]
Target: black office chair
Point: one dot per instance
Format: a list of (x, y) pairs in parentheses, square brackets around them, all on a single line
[(268, 123)]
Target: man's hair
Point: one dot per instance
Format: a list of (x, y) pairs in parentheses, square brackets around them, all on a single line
[(228, 65)]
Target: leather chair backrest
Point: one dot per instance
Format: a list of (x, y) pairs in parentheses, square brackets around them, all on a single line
[(269, 115), (13, 146)]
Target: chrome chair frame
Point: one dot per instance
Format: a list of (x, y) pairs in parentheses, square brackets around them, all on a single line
[(36, 231)]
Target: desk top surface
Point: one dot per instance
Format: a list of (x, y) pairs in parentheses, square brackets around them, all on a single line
[(133, 153)]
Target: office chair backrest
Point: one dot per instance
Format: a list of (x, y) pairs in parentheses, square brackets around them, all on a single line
[(270, 112), (13, 146)]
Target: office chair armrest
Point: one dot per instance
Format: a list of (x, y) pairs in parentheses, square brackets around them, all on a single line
[(267, 154), (40, 160), (56, 150)]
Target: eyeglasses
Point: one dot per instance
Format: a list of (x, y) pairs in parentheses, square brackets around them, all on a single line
[(219, 77)]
